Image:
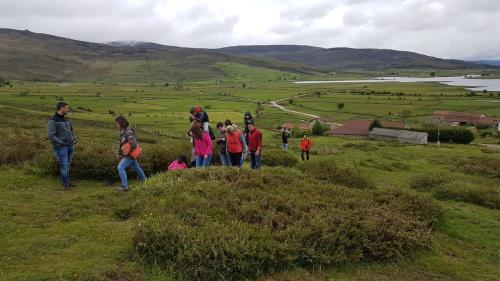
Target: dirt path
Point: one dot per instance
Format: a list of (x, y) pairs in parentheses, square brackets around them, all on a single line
[(275, 104)]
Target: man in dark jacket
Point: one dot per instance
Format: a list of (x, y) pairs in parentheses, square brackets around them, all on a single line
[(60, 132)]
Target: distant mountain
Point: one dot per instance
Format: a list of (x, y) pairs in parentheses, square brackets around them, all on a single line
[(27, 55), (488, 62), (335, 59)]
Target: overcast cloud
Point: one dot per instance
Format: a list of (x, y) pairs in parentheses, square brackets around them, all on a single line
[(463, 29)]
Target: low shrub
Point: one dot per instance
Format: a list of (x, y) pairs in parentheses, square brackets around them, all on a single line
[(203, 225), (277, 157), (96, 161), (428, 181), (331, 172), (19, 146), (484, 166), (471, 193), (446, 188)]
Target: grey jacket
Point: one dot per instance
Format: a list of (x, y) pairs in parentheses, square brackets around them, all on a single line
[(127, 136), (60, 131)]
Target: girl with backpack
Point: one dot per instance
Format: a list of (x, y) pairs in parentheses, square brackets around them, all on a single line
[(128, 152)]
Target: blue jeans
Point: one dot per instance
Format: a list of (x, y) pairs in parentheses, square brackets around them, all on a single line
[(122, 166), (284, 146), (243, 157), (224, 159), (63, 155), (254, 160), (202, 161)]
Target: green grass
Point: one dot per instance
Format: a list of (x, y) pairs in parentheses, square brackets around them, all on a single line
[(50, 235)]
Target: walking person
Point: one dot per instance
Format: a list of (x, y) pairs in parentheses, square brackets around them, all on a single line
[(128, 152), (284, 140), (202, 147), (62, 136), (235, 145), (254, 146), (305, 147), (221, 145)]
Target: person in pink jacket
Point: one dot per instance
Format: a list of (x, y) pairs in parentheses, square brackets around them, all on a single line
[(178, 164), (202, 147)]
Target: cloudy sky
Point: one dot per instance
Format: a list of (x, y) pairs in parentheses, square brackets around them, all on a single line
[(464, 29)]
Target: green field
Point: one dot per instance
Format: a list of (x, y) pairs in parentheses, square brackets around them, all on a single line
[(83, 235)]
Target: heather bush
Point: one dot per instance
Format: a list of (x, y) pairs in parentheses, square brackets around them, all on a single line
[(236, 224), (331, 172)]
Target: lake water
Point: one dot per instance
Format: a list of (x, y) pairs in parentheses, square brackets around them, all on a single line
[(473, 84)]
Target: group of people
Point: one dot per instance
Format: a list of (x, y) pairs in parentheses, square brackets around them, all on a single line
[(232, 144)]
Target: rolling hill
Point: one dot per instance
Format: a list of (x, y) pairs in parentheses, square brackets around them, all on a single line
[(25, 55), (336, 59)]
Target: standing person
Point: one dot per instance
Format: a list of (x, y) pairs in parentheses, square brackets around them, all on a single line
[(127, 152), (247, 119), (236, 145), (198, 114), (254, 145), (284, 140), (62, 136), (202, 147), (221, 145), (305, 147), (178, 164)]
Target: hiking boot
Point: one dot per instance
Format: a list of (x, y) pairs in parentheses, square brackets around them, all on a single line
[(65, 187)]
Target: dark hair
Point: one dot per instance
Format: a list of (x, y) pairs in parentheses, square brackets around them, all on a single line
[(122, 121), (220, 125), (182, 159), (228, 122), (61, 105), (196, 132)]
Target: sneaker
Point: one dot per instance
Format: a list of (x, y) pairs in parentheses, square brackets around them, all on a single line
[(121, 188), (65, 187)]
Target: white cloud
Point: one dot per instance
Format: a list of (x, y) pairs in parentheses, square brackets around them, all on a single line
[(445, 28)]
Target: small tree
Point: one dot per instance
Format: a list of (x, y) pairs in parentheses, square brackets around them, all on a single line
[(317, 128), (340, 105), (375, 124), (405, 114)]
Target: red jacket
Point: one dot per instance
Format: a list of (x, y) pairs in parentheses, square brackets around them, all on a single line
[(305, 144), (254, 140), (233, 142)]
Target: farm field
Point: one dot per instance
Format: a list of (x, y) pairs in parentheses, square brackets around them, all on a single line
[(93, 232)]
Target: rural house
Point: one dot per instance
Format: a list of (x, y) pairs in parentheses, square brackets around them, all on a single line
[(399, 135), (455, 118), (354, 128)]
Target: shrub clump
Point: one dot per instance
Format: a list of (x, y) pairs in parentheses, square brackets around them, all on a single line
[(331, 172), (19, 146), (200, 225), (98, 161), (446, 188), (277, 157)]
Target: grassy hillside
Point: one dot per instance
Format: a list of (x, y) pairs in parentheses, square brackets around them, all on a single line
[(26, 55), (360, 210), (336, 59)]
